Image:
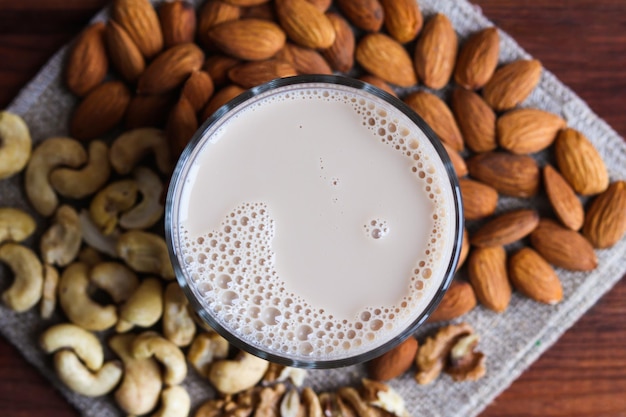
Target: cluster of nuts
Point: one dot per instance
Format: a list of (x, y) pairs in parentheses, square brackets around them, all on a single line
[(103, 198)]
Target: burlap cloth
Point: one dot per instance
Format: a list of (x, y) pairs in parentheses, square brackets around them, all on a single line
[(511, 341)]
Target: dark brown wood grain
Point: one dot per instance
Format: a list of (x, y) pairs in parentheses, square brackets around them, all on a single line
[(582, 41)]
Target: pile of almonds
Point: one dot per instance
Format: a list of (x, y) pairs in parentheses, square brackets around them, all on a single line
[(158, 73)]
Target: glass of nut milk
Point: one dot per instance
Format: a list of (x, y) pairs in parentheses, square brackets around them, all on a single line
[(314, 221)]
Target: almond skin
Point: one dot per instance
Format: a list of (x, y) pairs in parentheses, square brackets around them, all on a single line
[(178, 22), (140, 21), (435, 52), (476, 120), (438, 116), (395, 362), (465, 247), (403, 19), (248, 39), (340, 55), (87, 61), (479, 200), (580, 163), (533, 276), (305, 24), (170, 69), (605, 223), (125, 56), (385, 58), (100, 111), (512, 83), (364, 14), (514, 175), (506, 228), (198, 89), (181, 125), (251, 74), (563, 247), (563, 199), (377, 82), (304, 60), (457, 301), (217, 67), (148, 110), (525, 131), (212, 13), (458, 163), (220, 98), (478, 59), (488, 275)]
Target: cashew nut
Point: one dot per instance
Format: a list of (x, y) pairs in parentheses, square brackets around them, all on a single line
[(61, 242), (15, 224), (132, 146), (80, 183), (94, 237), (116, 279), (109, 202), (15, 144), (171, 357), (206, 348), (70, 336), (139, 392), (51, 153), (49, 294), (79, 379), (178, 326), (89, 255), (144, 307), (28, 283), (239, 374), (145, 252), (175, 402), (150, 209), (75, 301)]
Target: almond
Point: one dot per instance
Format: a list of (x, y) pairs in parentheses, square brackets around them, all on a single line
[(438, 116), (305, 24), (394, 362), (479, 200), (377, 82), (140, 20), (212, 14), (580, 163), (514, 175), (435, 52), (340, 55), (533, 276), (198, 89), (246, 3), (181, 126), (458, 163), (364, 14), (563, 199), (178, 22), (217, 67), (386, 58), (148, 110), (125, 56), (403, 19), (248, 39), (605, 223), (170, 69), (488, 276), (563, 247), (512, 84), (220, 98), (478, 59), (506, 228), (465, 247), (476, 120), (322, 5), (524, 131), (251, 74), (458, 300), (100, 111), (304, 60), (87, 62)]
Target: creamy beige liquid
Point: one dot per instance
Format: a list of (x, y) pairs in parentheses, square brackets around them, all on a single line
[(315, 222)]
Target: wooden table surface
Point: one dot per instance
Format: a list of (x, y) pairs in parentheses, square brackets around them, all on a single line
[(582, 41)]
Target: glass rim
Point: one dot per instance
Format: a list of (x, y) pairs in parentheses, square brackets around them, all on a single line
[(171, 209)]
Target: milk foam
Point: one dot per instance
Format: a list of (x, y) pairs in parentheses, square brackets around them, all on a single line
[(229, 235)]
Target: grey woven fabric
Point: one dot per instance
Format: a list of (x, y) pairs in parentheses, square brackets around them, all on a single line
[(511, 341)]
